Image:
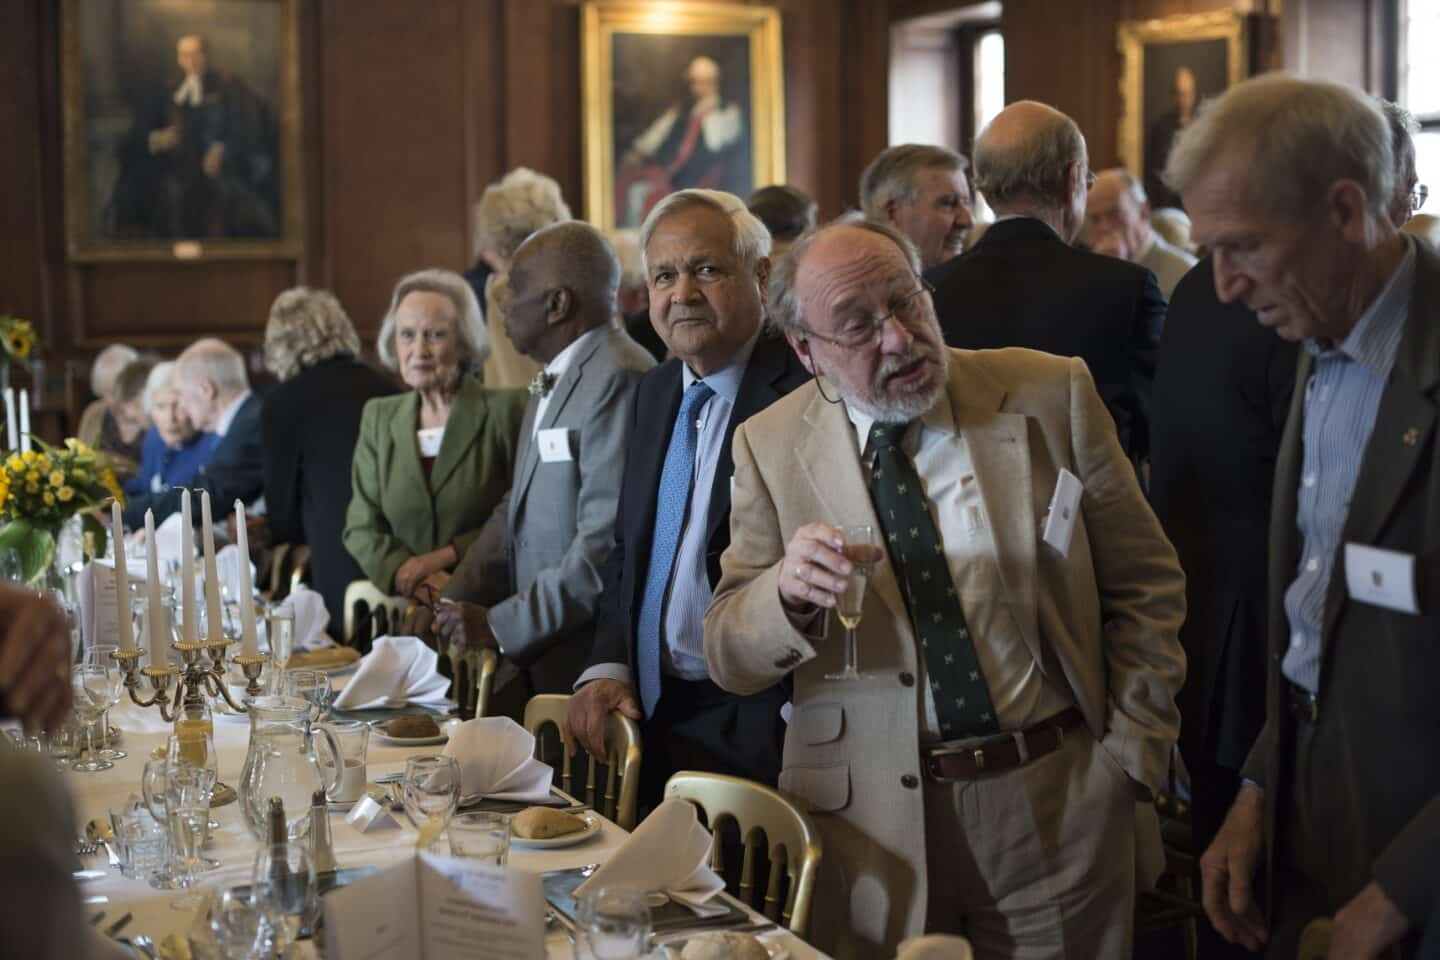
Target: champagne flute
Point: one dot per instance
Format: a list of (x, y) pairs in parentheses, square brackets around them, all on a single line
[(430, 791), (863, 552)]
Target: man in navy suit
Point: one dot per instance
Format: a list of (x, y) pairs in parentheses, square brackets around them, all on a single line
[(215, 393), (707, 264)]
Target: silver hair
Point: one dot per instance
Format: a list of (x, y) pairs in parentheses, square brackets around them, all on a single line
[(1302, 135), (216, 361), (1033, 166), (894, 174), (305, 327), (626, 242), (161, 377), (469, 320), (107, 366), (752, 240), (514, 207), (785, 310)]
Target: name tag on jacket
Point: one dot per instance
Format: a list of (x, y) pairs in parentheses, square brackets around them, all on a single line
[(1064, 510), (1385, 578), (554, 445)]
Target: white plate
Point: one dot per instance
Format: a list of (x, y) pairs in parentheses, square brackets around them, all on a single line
[(671, 948), (592, 821)]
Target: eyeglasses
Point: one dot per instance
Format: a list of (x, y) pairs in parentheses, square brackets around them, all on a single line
[(1418, 195), (859, 334)]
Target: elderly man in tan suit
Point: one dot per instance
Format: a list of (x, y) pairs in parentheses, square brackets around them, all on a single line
[(991, 773)]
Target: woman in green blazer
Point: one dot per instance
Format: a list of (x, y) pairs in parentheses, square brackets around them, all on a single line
[(431, 464)]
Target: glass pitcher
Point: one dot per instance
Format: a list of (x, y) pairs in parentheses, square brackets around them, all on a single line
[(281, 762)]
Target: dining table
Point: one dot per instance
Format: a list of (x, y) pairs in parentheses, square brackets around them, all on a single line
[(234, 847)]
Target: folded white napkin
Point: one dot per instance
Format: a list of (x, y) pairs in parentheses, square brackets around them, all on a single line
[(311, 618), (397, 671), (496, 757), (227, 568), (934, 946), (668, 852)]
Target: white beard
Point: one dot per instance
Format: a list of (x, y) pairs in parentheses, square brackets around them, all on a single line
[(898, 410)]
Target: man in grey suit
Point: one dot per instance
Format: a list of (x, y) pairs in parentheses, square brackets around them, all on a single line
[(528, 586), (1292, 183)]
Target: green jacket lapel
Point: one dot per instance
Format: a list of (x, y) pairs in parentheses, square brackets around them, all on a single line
[(467, 419)]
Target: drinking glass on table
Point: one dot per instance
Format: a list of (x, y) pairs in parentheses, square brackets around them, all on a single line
[(614, 924), (480, 836), (430, 792), (154, 782), (312, 686), (97, 688), (864, 552), (285, 893), (280, 628), (188, 791), (104, 653)]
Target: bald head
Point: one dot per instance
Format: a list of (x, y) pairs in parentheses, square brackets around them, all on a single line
[(1031, 161), (211, 377), (562, 283)]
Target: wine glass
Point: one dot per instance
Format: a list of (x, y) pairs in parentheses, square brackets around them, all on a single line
[(312, 686), (193, 743), (103, 653), (188, 790), (284, 892), (863, 552), (92, 684), (430, 791), (280, 630), (614, 923)]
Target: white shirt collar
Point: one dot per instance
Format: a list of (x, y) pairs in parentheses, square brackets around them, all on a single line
[(222, 427), (191, 91), (938, 417)]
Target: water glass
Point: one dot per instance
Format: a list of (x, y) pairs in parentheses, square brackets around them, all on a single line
[(10, 568), (353, 737), (480, 836), (92, 684), (140, 842), (284, 892), (187, 805), (430, 791), (239, 927), (614, 924), (104, 653)]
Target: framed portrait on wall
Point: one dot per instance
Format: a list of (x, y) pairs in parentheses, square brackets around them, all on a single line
[(1170, 66), (182, 126), (677, 96)]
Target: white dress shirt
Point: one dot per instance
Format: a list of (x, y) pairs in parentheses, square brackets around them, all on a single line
[(557, 367)]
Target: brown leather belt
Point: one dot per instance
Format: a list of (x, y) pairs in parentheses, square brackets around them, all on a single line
[(997, 754)]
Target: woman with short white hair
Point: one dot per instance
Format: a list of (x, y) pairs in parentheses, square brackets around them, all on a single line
[(430, 464), (511, 209), (172, 452)]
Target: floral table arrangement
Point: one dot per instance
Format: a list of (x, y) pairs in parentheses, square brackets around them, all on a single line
[(42, 489)]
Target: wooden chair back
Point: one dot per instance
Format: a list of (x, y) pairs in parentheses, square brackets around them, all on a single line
[(621, 788), (794, 847)]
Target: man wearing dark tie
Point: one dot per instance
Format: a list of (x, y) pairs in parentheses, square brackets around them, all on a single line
[(707, 265)]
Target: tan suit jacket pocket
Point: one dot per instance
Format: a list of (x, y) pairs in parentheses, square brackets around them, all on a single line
[(817, 723), (823, 789)]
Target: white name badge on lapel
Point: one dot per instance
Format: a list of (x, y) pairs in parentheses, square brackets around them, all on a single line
[(1385, 578), (554, 445), (1064, 510)]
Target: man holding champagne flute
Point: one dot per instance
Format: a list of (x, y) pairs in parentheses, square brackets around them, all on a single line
[(988, 768)]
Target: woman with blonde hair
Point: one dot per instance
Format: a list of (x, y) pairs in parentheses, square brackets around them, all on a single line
[(511, 209), (310, 423), (432, 463)]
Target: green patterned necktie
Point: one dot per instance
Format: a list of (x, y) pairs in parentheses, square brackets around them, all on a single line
[(962, 699)]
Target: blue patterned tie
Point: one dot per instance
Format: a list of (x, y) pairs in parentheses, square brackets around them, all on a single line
[(670, 510)]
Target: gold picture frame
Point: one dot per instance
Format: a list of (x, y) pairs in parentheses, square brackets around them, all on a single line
[(1213, 47), (130, 196), (717, 123)]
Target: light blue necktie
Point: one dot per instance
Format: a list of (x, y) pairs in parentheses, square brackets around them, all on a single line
[(670, 509)]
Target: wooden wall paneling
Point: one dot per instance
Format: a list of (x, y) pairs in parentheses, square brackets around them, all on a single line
[(315, 268), (166, 305), (542, 90), (22, 267), (484, 82), (394, 147), (866, 104)]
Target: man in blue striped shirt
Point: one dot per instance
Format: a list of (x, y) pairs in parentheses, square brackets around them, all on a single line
[(1291, 183)]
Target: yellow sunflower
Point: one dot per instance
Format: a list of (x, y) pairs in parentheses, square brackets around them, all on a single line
[(19, 340)]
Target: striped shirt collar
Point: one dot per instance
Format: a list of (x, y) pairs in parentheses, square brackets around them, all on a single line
[(1375, 338), (726, 380)]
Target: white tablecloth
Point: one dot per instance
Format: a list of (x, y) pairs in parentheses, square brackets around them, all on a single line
[(95, 794)]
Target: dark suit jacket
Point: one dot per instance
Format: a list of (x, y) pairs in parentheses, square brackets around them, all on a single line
[(233, 473), (774, 371), (307, 466), (1376, 743), (1222, 389), (1022, 286)]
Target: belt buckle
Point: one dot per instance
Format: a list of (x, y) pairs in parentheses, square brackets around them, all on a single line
[(932, 754)]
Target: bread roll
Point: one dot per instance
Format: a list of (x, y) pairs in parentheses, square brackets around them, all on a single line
[(412, 727), (723, 945), (542, 823)]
